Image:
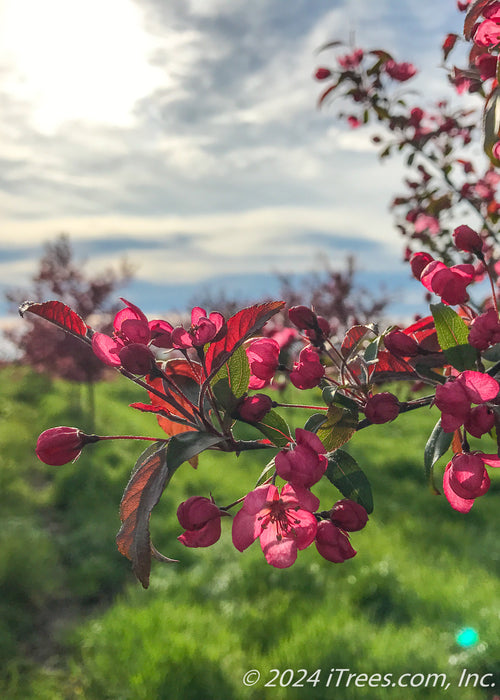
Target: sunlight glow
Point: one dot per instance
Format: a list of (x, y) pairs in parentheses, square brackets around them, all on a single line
[(76, 60)]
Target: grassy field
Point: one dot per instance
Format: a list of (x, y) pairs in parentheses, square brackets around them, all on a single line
[(75, 624)]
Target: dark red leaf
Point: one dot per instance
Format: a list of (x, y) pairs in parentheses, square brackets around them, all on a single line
[(59, 314), (325, 93), (153, 471), (187, 377), (240, 327), (389, 367), (473, 13), (143, 492), (352, 339)]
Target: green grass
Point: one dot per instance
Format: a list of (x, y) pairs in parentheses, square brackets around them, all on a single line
[(75, 624)]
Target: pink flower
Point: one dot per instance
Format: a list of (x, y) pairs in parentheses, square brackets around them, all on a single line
[(351, 60), (130, 326), (495, 151), (425, 222), (253, 408), (465, 479), (332, 543), (128, 347), (448, 282), (399, 71), (304, 463), (284, 522), (200, 517), (454, 398), (382, 407), (308, 371), (204, 328), (263, 356), (349, 515), (485, 330), (467, 239), (487, 33), (61, 445), (353, 122)]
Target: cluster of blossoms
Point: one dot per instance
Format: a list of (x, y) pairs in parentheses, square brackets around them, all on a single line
[(208, 381), (204, 380)]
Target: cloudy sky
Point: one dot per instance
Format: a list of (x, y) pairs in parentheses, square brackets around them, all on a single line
[(183, 134)]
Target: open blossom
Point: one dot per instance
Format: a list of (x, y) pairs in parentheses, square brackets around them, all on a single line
[(308, 371), (465, 479), (332, 543), (487, 33), (351, 60), (263, 356), (204, 328), (284, 522), (129, 344), (454, 400), (399, 71), (450, 283), (304, 463), (200, 518)]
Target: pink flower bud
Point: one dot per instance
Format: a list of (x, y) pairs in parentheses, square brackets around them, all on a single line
[(382, 408), (332, 543), (467, 476), (253, 408), (485, 330), (61, 445), (136, 358), (418, 262), (322, 74), (304, 463), (349, 515), (263, 356), (308, 371), (467, 239), (200, 517), (303, 317), (480, 420), (400, 344)]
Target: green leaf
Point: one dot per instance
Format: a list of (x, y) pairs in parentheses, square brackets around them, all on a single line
[(339, 427), (236, 371), (461, 357), (315, 421), (275, 428), (153, 471), (437, 444), (452, 334), (344, 473), (451, 329), (331, 395)]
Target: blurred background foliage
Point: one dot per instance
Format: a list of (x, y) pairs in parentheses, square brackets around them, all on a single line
[(74, 622)]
